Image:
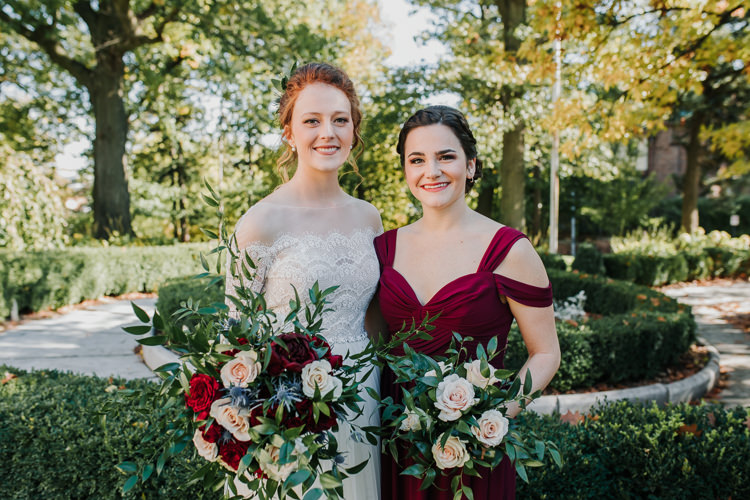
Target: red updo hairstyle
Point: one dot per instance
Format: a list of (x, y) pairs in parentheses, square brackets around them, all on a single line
[(302, 77)]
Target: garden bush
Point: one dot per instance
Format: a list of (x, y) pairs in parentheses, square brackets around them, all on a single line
[(588, 259), (51, 279), (177, 290), (634, 333), (626, 450), (55, 443)]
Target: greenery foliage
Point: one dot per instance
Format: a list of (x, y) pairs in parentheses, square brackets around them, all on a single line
[(676, 452), (56, 443), (54, 278), (634, 333), (625, 450)]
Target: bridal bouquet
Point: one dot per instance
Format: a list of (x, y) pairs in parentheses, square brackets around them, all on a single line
[(451, 418), (260, 395)]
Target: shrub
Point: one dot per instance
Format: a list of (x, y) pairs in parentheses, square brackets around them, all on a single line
[(625, 450), (588, 259), (51, 279), (553, 261), (177, 290), (640, 333), (55, 443)]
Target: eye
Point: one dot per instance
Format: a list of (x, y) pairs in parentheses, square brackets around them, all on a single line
[(311, 121), (342, 120), (415, 161), (448, 157)]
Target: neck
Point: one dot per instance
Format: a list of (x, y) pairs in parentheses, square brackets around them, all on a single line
[(445, 219), (314, 187)]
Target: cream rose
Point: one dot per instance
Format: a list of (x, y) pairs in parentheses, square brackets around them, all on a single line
[(411, 422), (268, 459), (453, 454), (443, 368), (493, 426), (318, 374), (242, 370), (454, 395), (474, 374), (207, 450), (229, 418)]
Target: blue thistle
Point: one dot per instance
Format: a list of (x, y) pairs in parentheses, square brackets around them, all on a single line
[(287, 393)]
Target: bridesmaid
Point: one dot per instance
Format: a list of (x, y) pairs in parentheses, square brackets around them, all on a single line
[(478, 274)]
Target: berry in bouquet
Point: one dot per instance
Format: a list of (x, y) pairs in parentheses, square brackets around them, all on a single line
[(261, 396), (451, 417)]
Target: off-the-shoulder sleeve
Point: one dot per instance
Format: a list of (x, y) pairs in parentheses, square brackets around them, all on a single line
[(261, 257), (523, 293)]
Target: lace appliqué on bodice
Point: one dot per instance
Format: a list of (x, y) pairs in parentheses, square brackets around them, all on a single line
[(333, 259)]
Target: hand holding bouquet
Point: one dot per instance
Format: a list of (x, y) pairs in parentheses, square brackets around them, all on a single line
[(451, 416)]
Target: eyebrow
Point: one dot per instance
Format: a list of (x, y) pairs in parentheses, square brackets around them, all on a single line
[(338, 112), (441, 152)]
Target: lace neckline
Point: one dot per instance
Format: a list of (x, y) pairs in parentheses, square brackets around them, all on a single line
[(288, 236)]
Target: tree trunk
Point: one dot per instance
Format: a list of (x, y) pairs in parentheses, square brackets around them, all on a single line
[(111, 197), (692, 179), (536, 223), (513, 178), (485, 197), (512, 171)]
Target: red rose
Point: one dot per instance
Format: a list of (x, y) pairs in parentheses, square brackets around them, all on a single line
[(232, 452), (204, 390), (213, 433), (336, 361), (297, 354), (325, 422)]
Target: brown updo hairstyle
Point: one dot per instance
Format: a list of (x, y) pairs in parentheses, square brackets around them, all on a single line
[(451, 118), (303, 76)]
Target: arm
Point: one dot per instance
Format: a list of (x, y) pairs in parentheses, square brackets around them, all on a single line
[(537, 324)]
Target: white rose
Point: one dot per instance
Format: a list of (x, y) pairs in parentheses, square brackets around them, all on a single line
[(493, 426), (454, 395), (207, 450), (411, 422), (242, 370), (229, 418), (454, 453), (268, 460), (443, 368), (318, 374), (474, 374)]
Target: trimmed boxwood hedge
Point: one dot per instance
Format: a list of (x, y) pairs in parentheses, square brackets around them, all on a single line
[(654, 270), (51, 279), (640, 332), (54, 444), (625, 450)]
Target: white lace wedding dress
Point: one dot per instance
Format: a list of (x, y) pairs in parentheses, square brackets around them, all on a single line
[(343, 257)]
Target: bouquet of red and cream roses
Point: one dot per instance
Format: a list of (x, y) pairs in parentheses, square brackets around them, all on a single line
[(261, 394), (451, 415)]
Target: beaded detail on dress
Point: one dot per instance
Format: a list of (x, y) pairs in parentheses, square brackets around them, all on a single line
[(333, 259)]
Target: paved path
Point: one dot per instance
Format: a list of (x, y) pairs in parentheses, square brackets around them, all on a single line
[(88, 341), (733, 344)]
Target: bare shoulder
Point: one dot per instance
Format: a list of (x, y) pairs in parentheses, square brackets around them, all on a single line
[(368, 214), (260, 224), (524, 264)]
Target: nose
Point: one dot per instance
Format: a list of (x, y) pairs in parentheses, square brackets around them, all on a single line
[(432, 169), (326, 130)]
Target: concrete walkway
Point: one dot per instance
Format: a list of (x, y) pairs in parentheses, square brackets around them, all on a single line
[(88, 341), (732, 343)]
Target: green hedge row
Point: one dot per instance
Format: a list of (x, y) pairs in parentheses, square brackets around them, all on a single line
[(177, 290), (653, 270), (629, 451), (51, 279), (635, 333), (55, 444)]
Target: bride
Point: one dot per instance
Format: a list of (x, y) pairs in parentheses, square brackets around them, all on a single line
[(310, 230)]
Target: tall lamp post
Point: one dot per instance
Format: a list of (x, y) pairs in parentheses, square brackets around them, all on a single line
[(554, 178)]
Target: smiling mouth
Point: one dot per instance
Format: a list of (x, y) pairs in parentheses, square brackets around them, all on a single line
[(434, 187), (327, 150)]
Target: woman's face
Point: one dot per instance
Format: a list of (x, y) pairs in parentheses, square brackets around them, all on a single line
[(321, 127), (435, 166)]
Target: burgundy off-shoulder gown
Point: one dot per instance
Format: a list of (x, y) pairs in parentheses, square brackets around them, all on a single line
[(472, 306)]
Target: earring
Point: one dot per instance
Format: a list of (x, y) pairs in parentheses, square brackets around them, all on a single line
[(351, 146), (294, 149)]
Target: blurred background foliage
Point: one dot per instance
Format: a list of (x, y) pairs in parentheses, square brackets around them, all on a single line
[(196, 87)]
